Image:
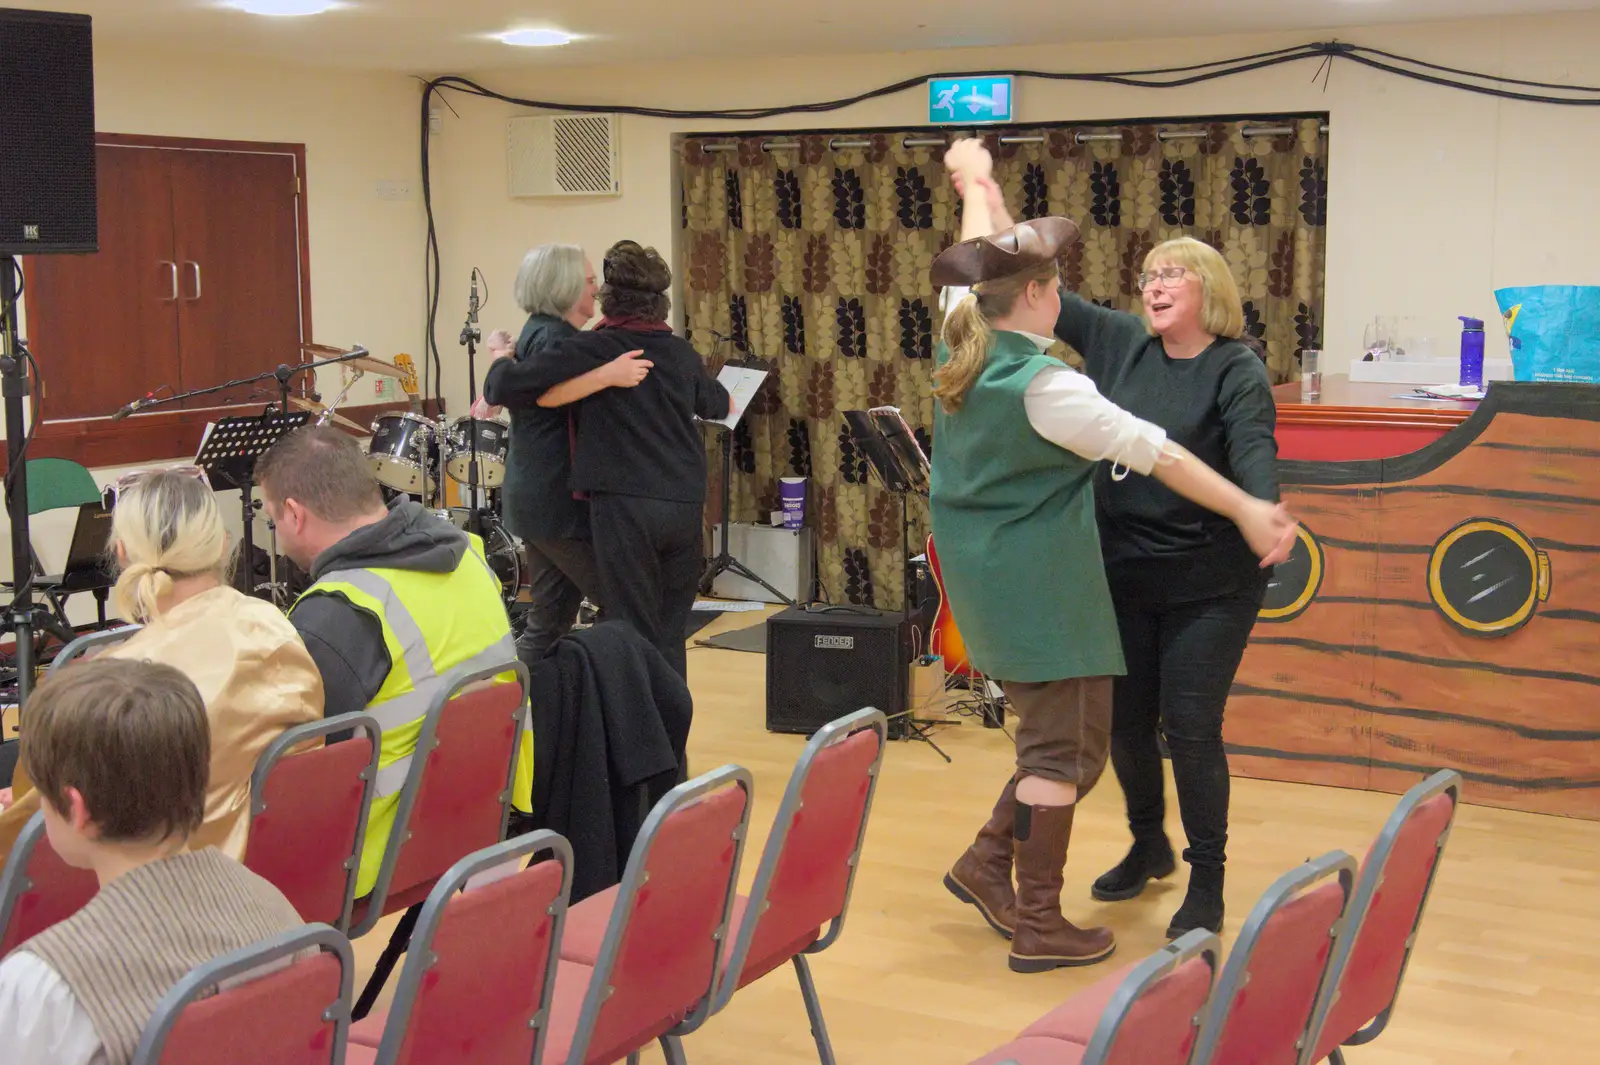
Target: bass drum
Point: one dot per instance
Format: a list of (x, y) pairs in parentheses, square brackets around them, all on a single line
[(501, 550)]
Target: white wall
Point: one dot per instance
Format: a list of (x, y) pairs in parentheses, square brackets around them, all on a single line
[(1436, 197)]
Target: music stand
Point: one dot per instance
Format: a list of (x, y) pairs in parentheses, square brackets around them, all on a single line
[(229, 453), (723, 561), (898, 460)]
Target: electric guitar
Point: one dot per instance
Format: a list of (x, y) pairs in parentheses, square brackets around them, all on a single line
[(944, 638), (408, 383)]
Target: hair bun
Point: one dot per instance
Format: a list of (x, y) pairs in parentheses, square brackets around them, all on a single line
[(630, 265)]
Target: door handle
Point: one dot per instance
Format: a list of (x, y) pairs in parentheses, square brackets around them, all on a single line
[(191, 262), (174, 268)]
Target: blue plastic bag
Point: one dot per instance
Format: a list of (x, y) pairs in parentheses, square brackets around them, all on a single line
[(1554, 331)]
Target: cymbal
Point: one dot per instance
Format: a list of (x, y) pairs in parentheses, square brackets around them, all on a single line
[(319, 409), (324, 349), (377, 366)]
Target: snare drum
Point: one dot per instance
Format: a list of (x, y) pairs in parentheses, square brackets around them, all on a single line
[(494, 442), (399, 452)]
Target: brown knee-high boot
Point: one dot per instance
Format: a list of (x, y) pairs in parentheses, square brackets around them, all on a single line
[(1044, 939), (982, 876)]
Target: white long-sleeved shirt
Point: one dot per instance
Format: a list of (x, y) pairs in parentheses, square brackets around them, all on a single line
[(41, 1020), (1066, 408)]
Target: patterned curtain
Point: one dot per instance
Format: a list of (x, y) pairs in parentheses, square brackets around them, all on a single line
[(814, 255)]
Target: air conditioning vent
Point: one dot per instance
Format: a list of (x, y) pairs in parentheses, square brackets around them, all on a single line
[(562, 155)]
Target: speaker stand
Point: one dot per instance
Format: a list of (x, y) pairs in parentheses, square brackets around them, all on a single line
[(14, 386)]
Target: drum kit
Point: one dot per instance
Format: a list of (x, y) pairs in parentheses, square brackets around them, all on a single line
[(412, 454)]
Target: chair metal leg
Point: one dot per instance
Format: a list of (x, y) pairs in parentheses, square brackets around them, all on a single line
[(819, 1027), (672, 1048), (398, 942)]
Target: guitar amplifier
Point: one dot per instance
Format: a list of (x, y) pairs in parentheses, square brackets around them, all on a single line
[(825, 662)]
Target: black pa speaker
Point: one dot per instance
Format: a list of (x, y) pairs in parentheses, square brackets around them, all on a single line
[(825, 662), (47, 179)]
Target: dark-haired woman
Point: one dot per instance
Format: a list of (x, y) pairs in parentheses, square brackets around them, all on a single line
[(638, 454)]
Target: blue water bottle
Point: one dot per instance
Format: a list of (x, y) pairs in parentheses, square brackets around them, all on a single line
[(1471, 351)]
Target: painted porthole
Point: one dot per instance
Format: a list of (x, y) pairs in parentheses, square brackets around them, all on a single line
[(1295, 581), (1487, 578)]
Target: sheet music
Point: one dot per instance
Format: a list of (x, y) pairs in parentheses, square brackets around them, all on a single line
[(742, 384)]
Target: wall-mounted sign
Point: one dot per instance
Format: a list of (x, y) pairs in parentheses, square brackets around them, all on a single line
[(971, 100)]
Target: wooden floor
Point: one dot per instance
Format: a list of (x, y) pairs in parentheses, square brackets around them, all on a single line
[(1507, 968)]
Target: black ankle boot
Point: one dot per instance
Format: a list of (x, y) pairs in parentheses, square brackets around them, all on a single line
[(1202, 905), (1149, 858)]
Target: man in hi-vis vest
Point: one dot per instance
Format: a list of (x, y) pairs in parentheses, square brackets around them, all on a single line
[(401, 598)]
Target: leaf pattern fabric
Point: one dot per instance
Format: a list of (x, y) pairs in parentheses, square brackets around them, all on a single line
[(816, 258)]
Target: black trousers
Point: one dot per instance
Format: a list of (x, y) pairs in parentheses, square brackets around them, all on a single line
[(560, 574), (650, 553), (1181, 660)]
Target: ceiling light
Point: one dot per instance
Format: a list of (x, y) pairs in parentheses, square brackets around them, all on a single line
[(536, 38), (283, 8)]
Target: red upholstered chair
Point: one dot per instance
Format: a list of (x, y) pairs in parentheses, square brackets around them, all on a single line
[(1264, 1007), (1149, 1015), (1035, 1050), (480, 974), (38, 889), (308, 814), (661, 954), (1385, 912), (455, 801), (801, 892), (283, 1001)]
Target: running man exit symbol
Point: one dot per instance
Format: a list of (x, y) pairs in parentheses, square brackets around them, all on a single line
[(970, 100)]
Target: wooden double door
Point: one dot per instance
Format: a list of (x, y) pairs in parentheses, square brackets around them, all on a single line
[(199, 280)]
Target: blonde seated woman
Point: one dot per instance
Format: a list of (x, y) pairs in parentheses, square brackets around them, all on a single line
[(254, 674)]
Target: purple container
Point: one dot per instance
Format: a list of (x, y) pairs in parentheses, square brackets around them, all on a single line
[(793, 492)]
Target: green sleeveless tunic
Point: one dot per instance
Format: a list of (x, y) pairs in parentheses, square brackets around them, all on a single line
[(1014, 525)]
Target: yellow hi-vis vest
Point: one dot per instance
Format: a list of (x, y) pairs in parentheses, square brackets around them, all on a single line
[(432, 623)]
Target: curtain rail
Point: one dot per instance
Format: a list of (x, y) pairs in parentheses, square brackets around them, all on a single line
[(838, 144)]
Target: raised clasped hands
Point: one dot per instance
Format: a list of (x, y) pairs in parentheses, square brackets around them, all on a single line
[(968, 160)]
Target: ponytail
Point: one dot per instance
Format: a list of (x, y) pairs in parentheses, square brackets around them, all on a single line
[(139, 588), (967, 335)]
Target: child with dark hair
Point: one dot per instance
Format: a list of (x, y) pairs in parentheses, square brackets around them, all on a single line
[(120, 753)]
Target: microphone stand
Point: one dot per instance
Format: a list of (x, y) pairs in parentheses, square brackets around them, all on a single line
[(470, 335), (247, 489)]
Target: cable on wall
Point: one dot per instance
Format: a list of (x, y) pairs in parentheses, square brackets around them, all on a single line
[(1157, 78)]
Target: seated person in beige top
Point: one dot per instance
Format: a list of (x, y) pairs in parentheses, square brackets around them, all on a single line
[(252, 670), (119, 751)]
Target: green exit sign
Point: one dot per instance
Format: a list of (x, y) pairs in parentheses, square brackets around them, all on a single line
[(971, 100)]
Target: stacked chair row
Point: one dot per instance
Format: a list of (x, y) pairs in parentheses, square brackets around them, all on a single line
[(1317, 966), (490, 975)]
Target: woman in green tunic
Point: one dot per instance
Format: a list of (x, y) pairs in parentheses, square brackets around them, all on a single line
[(1017, 435)]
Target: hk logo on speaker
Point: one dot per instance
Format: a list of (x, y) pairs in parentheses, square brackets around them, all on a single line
[(30, 232)]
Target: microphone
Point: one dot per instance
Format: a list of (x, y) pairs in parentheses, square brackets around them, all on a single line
[(472, 305), (138, 404)]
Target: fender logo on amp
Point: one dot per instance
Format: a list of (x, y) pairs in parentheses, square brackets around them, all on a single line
[(833, 643)]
